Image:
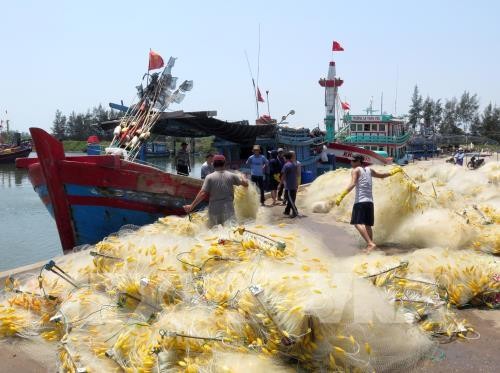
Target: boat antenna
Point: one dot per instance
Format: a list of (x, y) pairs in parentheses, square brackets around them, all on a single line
[(7, 122), (396, 98), (253, 83), (258, 71), (267, 98), (382, 103)]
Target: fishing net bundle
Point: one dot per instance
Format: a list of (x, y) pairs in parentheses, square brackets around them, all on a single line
[(225, 299), (426, 283), (246, 202), (439, 205), (29, 301)]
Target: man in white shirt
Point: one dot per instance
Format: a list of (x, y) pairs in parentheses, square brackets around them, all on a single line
[(362, 211), (207, 168)]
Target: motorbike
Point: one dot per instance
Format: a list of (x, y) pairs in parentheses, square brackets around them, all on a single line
[(475, 163)]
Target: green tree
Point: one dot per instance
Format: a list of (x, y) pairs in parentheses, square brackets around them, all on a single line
[(490, 123), (59, 126), (450, 119), (427, 115), (467, 109), (74, 126), (415, 112)]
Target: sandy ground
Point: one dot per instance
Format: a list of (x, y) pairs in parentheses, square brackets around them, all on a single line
[(480, 355)]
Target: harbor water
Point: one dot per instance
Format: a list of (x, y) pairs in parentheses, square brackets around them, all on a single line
[(28, 233)]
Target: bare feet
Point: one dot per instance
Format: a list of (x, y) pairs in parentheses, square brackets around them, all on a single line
[(369, 248)]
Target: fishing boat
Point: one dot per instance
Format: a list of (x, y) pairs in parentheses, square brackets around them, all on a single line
[(9, 154), (380, 139), (13, 147), (91, 197)]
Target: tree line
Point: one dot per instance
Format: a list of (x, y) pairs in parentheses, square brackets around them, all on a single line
[(79, 126), (454, 116)]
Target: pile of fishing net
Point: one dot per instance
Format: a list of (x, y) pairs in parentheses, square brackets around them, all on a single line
[(425, 206), (427, 282), (174, 296)]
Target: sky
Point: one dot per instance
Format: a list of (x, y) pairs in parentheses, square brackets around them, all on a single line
[(73, 55)]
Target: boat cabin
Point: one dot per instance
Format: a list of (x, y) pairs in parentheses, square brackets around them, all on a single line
[(381, 133)]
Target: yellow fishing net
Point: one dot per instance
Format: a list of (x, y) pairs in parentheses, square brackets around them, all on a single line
[(434, 205), (175, 296)]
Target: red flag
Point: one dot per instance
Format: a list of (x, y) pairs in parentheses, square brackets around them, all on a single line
[(155, 61), (336, 47), (259, 96), (345, 106)]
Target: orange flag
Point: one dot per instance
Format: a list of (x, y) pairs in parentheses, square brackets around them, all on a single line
[(155, 60)]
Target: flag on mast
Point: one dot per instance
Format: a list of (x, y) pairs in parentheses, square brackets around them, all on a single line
[(336, 47), (345, 106), (155, 61), (259, 96)]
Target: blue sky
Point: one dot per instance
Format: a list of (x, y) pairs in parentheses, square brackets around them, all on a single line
[(71, 55)]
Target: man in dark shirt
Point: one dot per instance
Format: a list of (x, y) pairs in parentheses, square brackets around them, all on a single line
[(290, 181), (282, 161), (182, 162)]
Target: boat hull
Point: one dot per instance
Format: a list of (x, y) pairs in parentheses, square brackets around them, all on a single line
[(344, 153), (10, 157), (91, 197)]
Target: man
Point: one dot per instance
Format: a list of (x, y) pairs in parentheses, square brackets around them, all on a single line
[(182, 162), (459, 157), (299, 167), (218, 186), (274, 174), (282, 161), (207, 168), (258, 163), (290, 180), (324, 155), (362, 212)]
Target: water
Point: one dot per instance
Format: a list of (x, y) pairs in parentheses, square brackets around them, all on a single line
[(28, 234)]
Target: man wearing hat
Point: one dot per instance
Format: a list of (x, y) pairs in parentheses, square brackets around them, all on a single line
[(362, 211), (218, 187), (459, 157), (182, 163), (258, 163)]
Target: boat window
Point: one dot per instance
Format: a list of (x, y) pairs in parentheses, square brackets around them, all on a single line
[(367, 127), (374, 127), (381, 127), (360, 127), (353, 127)]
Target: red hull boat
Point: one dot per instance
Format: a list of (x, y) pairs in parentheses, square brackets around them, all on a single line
[(91, 197)]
